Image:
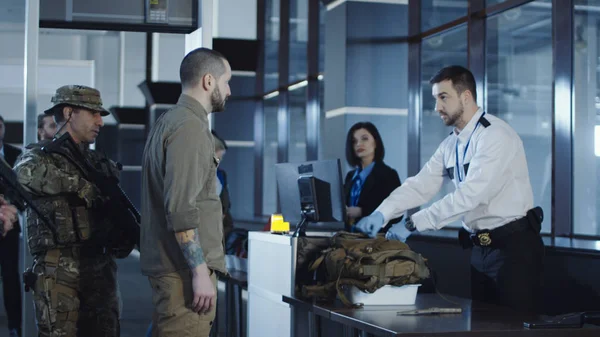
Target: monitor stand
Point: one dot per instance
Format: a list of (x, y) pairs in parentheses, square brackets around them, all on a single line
[(301, 227)]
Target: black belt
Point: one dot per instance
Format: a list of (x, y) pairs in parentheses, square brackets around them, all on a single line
[(94, 250), (497, 237)]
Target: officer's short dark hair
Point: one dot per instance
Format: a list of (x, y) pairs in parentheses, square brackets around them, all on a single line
[(199, 62), (1, 119), (462, 79), (351, 156)]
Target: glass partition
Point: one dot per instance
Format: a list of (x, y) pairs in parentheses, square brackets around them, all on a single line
[(438, 51), (519, 87)]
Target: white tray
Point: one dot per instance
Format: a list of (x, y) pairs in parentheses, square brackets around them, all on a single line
[(386, 295)]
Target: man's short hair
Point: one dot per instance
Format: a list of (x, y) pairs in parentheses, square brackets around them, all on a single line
[(462, 79), (1, 119), (57, 112), (199, 62)]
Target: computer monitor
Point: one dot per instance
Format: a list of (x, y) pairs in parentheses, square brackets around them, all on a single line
[(312, 191)]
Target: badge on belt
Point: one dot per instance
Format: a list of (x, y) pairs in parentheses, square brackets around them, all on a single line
[(484, 239)]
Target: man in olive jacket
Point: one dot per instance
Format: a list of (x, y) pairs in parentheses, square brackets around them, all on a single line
[(181, 230)]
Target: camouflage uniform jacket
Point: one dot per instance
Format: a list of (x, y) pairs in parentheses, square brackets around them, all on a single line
[(69, 200)]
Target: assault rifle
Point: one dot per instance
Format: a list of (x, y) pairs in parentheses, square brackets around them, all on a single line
[(17, 195), (115, 203)]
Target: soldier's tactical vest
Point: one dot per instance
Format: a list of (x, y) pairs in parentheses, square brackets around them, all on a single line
[(75, 223)]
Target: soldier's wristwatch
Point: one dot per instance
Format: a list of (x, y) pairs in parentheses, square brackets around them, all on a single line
[(410, 225)]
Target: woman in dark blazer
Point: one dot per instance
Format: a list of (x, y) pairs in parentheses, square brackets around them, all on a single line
[(372, 180)]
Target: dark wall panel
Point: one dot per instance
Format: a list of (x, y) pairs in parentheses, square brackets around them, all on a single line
[(379, 76), (238, 163), (108, 141), (131, 146), (236, 123), (13, 133), (241, 54), (242, 86)]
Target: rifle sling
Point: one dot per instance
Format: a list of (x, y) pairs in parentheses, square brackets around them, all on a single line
[(71, 160)]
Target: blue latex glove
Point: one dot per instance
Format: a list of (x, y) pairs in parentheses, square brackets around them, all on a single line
[(398, 232), (370, 224)]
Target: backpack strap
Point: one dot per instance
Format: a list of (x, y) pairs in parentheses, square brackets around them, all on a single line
[(381, 270), (348, 282), (319, 291), (317, 262), (326, 291)]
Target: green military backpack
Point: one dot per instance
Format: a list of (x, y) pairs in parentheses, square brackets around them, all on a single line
[(354, 259)]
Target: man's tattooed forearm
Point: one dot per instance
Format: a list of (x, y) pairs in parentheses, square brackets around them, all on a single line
[(189, 242)]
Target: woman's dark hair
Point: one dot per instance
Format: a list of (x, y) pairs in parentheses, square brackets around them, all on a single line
[(351, 157)]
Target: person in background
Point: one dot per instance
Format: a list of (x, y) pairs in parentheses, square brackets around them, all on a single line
[(9, 252), (223, 186), (372, 180), (46, 127)]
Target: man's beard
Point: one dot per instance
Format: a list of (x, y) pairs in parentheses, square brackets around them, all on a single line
[(454, 118), (217, 101)]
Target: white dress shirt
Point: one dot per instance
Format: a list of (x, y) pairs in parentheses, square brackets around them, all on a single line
[(494, 191)]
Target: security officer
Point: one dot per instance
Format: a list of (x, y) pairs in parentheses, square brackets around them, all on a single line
[(75, 293), (485, 159)]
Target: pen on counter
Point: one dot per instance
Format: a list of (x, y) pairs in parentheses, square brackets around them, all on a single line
[(430, 311)]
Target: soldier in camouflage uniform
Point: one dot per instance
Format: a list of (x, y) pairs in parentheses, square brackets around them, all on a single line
[(75, 293)]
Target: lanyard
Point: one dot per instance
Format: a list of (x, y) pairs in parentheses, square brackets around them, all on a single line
[(457, 167)]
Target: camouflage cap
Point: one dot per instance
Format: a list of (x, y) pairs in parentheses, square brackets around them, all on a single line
[(78, 95)]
